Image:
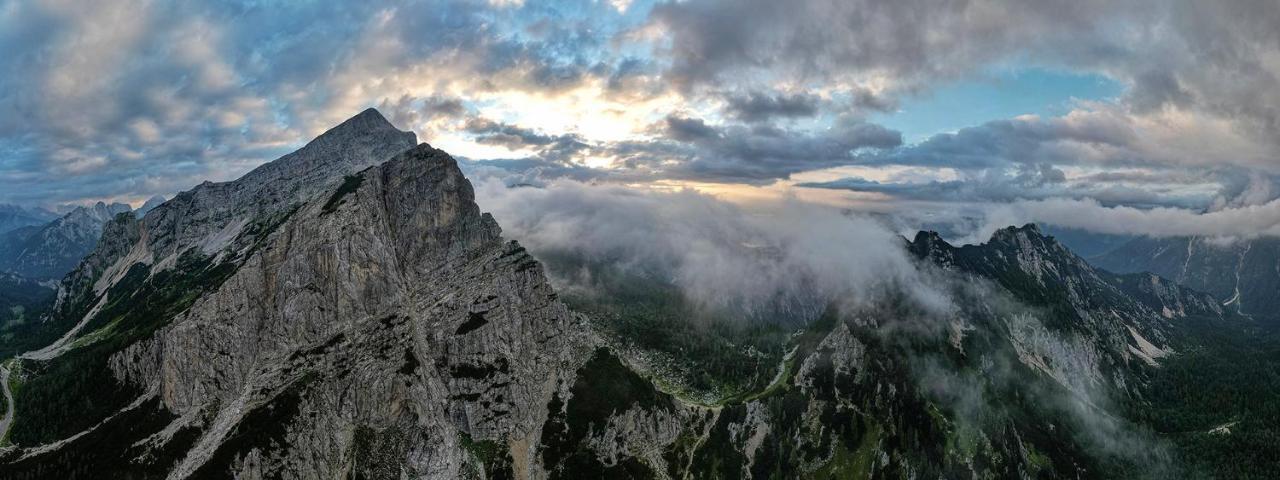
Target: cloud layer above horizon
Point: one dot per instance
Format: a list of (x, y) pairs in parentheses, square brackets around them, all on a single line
[(123, 99)]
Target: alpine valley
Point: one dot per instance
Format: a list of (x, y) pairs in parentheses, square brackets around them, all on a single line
[(347, 311)]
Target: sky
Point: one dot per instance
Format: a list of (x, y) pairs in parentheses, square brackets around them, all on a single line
[(1134, 117)]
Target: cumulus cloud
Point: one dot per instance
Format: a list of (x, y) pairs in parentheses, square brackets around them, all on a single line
[(1114, 157), (752, 154), (1213, 57), (123, 99)]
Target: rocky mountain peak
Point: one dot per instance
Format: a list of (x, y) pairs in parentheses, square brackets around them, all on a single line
[(385, 304), (51, 250), (368, 135), (96, 214), (931, 245), (367, 121), (1013, 234)]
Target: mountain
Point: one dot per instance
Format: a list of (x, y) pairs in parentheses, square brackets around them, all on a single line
[(1244, 275), (150, 204), (347, 311), (1119, 312), (51, 250), (13, 217), (1085, 243)]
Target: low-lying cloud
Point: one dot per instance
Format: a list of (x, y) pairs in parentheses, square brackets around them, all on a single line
[(807, 257), (720, 256), (1243, 221)]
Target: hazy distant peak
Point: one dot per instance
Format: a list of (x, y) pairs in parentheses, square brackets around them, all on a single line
[(151, 203)]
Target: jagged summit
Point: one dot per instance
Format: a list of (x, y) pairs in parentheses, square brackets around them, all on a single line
[(369, 321), (352, 143), (366, 121), (378, 301), (1026, 232), (99, 212), (214, 212)]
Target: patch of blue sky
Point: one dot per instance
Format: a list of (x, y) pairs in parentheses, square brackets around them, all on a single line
[(1000, 94)]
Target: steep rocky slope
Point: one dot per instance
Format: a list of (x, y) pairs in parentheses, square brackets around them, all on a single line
[(282, 325), (1026, 379)]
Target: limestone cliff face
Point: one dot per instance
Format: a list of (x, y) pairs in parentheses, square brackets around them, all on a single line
[(392, 312), (331, 313)]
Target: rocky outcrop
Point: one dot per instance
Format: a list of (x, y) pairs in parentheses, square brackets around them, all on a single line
[(1091, 310), (379, 323), (401, 309)]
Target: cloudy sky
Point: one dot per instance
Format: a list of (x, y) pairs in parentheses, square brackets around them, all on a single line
[(1158, 117)]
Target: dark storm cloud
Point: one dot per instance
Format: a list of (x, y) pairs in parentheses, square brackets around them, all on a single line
[(1211, 57), (757, 154), (685, 148), (128, 98), (1009, 142), (761, 107), (1000, 187), (689, 129)]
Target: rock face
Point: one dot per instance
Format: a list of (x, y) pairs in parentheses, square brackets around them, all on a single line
[(391, 314), (1115, 312), (1243, 275), (51, 250), (348, 312), (374, 323)]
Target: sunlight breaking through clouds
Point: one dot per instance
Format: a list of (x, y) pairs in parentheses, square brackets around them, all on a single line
[(124, 99)]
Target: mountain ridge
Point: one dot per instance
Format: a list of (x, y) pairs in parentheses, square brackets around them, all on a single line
[(376, 324)]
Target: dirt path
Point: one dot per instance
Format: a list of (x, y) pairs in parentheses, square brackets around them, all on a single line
[(8, 398)]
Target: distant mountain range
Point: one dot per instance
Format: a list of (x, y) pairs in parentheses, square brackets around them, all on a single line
[(347, 311), (1243, 274), (13, 217), (50, 250)]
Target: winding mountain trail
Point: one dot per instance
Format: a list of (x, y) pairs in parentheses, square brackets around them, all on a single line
[(47, 353), (8, 398)]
